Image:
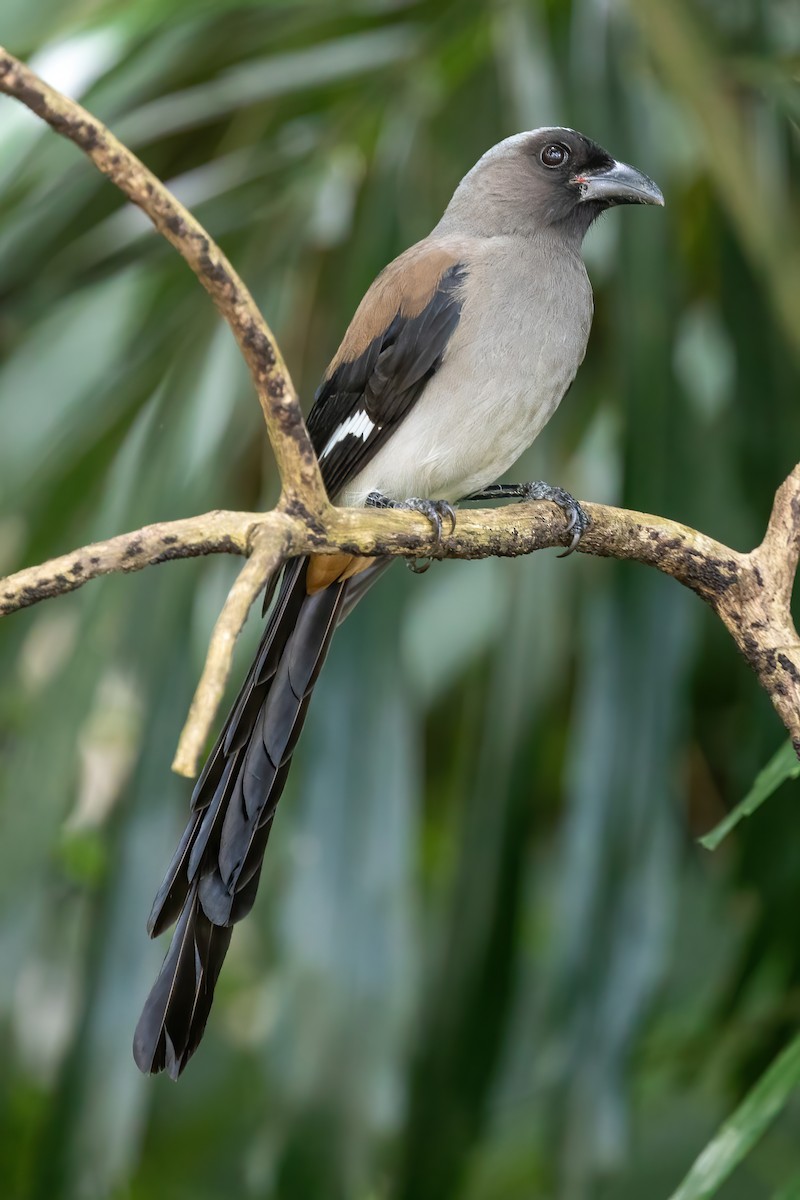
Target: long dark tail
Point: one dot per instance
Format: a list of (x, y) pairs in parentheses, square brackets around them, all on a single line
[(212, 879)]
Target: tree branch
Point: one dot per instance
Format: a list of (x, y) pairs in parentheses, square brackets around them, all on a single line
[(267, 557), (694, 559), (212, 533), (751, 593), (296, 460), (757, 611)]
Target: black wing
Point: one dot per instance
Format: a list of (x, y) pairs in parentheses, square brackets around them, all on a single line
[(364, 400)]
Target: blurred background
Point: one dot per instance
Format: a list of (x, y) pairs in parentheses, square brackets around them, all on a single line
[(489, 959)]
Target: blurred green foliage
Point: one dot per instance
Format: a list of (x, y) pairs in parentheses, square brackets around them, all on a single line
[(489, 959)]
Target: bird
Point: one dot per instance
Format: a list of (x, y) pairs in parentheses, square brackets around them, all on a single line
[(459, 353)]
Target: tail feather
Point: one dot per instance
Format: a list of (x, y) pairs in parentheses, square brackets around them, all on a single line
[(202, 825), (282, 622), (213, 877), (226, 901), (257, 779), (176, 1011), (171, 895), (206, 841), (245, 897), (267, 757)]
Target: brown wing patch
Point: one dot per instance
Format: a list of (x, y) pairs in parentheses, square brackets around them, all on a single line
[(363, 400), (404, 287), (325, 569)]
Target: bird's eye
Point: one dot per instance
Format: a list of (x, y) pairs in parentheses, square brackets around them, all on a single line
[(554, 155)]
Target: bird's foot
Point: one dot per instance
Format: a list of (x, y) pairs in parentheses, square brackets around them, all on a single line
[(435, 510), (577, 520)]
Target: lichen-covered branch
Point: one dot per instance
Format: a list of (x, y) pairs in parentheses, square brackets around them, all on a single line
[(749, 592), (297, 462), (212, 533), (756, 608), (515, 529)]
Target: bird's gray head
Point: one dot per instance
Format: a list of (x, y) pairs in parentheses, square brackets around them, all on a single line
[(545, 178)]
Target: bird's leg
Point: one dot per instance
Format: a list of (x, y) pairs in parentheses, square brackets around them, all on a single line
[(577, 520)]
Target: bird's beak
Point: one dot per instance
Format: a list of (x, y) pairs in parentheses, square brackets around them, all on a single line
[(619, 184)]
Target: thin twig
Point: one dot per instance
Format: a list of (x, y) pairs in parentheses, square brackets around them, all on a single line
[(267, 556)]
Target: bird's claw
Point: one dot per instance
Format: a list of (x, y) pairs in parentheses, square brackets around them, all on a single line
[(434, 510), (577, 520)]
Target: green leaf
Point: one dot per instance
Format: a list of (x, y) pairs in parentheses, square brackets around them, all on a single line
[(782, 766), (738, 1135)]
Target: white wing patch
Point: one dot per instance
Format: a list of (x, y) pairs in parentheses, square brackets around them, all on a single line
[(358, 425)]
